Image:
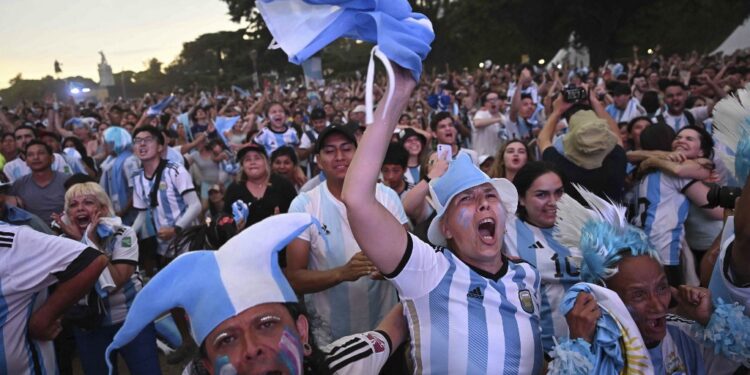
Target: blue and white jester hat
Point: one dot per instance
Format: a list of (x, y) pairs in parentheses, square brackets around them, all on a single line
[(213, 286), (602, 233), (461, 175), (303, 27), (118, 139), (732, 128)]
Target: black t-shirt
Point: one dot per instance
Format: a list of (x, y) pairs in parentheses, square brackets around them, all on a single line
[(607, 181), (279, 193)]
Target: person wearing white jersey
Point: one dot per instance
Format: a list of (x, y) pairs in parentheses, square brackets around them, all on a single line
[(90, 218), (530, 237), (664, 195), (340, 284), (162, 187), (18, 168), (31, 262), (278, 133), (470, 309), (164, 191)]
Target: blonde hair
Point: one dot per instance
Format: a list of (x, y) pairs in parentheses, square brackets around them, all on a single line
[(93, 189)]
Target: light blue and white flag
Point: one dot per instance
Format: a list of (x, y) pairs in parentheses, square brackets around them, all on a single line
[(303, 27), (159, 107)]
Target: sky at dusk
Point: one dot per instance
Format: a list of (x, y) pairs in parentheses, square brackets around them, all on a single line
[(35, 33)]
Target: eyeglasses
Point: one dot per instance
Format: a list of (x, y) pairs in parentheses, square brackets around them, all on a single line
[(145, 140)]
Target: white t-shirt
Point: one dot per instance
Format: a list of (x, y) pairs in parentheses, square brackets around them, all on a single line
[(486, 140), (349, 307), (17, 167), (30, 262)]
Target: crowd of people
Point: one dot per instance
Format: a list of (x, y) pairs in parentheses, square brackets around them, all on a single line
[(433, 240)]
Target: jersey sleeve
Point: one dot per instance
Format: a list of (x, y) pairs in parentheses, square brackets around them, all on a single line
[(125, 247), (420, 269), (260, 138), (305, 142), (39, 259), (360, 353), (181, 179), (390, 200)]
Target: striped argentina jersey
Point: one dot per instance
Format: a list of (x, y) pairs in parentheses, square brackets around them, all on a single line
[(30, 262), (462, 322), (272, 139), (175, 183), (662, 211), (557, 265)]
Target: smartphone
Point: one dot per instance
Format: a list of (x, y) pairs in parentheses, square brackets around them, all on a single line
[(445, 152)]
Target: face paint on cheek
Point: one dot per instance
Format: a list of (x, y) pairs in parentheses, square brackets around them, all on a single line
[(222, 366), (464, 218), (290, 352)]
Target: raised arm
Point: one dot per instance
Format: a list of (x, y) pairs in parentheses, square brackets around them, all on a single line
[(544, 139), (515, 102), (381, 236), (686, 169), (601, 112)]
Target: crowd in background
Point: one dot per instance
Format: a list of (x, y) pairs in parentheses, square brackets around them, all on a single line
[(187, 169)]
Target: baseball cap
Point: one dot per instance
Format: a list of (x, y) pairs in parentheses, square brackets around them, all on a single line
[(253, 147), (344, 130), (317, 114)]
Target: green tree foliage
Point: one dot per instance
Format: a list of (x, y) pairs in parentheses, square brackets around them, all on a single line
[(467, 32)]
